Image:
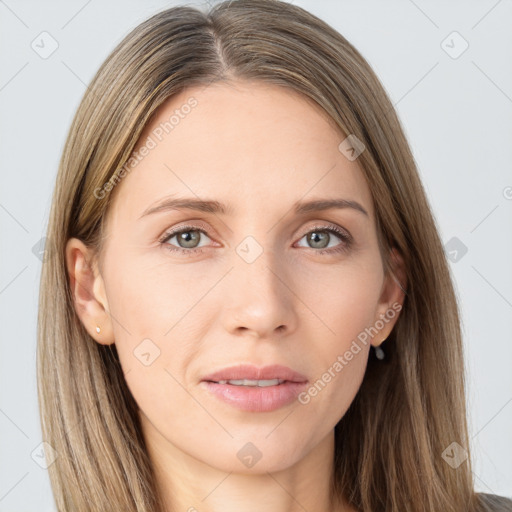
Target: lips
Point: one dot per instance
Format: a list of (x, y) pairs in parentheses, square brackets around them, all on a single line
[(253, 373), (252, 389)]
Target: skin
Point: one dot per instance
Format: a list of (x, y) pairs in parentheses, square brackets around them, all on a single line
[(258, 148)]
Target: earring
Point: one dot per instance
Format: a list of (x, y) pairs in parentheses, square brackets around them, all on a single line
[(98, 329), (379, 353)]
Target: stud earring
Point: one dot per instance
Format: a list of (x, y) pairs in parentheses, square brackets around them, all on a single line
[(98, 329)]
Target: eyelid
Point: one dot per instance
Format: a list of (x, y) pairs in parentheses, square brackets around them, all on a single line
[(173, 232), (342, 232)]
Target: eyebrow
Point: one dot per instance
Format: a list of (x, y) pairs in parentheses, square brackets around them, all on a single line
[(210, 206)]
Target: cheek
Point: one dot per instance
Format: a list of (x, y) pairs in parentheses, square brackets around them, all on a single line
[(345, 302), (149, 298), (344, 298), (158, 316)]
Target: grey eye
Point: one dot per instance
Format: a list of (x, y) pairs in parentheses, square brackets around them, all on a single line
[(319, 239), (188, 238)]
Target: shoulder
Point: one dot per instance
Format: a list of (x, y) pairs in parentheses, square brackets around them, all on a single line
[(494, 503)]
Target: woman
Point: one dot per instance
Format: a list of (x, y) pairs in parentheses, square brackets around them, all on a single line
[(249, 306)]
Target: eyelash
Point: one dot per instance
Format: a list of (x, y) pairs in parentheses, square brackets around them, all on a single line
[(343, 247)]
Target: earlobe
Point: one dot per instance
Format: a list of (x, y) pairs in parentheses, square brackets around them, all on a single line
[(392, 297), (88, 291)]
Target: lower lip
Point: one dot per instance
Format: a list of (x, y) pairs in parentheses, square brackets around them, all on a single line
[(255, 398)]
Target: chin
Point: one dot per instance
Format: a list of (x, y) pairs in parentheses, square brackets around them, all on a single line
[(257, 454)]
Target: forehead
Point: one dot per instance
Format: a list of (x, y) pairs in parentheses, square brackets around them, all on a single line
[(246, 144)]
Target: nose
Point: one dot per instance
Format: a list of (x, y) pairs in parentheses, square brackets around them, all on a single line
[(259, 300)]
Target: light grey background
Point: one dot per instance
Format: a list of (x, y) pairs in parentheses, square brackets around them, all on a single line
[(457, 113)]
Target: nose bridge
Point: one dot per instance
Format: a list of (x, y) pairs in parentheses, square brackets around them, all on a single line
[(257, 268), (258, 298)]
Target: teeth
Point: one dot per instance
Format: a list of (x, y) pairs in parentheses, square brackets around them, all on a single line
[(247, 382)]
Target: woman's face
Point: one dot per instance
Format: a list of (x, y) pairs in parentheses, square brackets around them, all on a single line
[(254, 278)]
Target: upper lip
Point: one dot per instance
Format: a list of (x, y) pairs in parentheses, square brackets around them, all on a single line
[(250, 372)]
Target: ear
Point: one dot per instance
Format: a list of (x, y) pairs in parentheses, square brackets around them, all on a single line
[(88, 291), (392, 297)]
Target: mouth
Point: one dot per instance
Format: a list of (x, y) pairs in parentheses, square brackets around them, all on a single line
[(253, 389)]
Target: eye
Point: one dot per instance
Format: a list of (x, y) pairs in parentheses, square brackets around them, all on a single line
[(187, 239), (321, 237)]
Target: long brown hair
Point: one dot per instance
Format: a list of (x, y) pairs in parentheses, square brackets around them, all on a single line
[(410, 407)]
